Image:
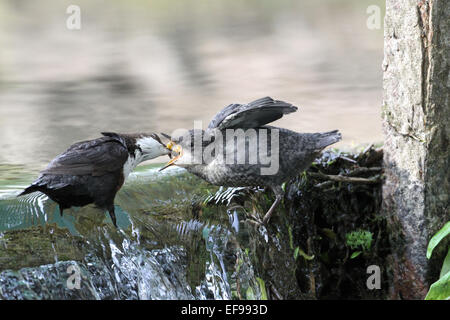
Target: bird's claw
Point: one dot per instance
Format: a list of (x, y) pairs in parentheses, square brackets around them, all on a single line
[(255, 220)]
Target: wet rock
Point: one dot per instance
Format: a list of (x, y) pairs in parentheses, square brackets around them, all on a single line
[(304, 252), (37, 246), (156, 274)]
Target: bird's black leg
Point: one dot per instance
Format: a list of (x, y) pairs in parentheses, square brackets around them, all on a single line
[(278, 196), (61, 209), (112, 215)]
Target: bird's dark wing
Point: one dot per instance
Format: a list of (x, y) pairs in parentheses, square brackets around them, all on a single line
[(94, 157), (252, 115)]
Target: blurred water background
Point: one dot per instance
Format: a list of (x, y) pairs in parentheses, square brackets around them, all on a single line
[(159, 65)]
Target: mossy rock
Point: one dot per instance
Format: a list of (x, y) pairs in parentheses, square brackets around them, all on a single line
[(37, 246)]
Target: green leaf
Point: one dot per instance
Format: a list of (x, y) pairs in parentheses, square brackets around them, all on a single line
[(303, 254), (249, 295), (355, 254), (329, 233), (440, 290), (296, 253), (441, 234), (262, 287), (291, 237), (446, 265)]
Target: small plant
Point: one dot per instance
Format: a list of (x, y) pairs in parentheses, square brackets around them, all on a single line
[(359, 239), (440, 290)]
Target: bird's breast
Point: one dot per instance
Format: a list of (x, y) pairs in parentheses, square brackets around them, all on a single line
[(130, 165)]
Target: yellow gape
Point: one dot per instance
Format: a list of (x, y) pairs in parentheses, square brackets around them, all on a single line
[(176, 148)]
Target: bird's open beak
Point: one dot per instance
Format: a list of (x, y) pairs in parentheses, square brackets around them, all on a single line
[(156, 137), (173, 147), (169, 145)]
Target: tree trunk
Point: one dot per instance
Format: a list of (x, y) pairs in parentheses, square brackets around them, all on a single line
[(416, 116)]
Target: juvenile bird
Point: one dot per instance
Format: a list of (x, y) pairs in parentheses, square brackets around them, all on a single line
[(93, 171), (243, 155)]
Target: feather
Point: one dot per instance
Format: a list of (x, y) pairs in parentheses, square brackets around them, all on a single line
[(252, 115), (96, 157)]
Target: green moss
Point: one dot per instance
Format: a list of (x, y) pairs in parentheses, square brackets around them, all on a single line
[(359, 239), (37, 246)]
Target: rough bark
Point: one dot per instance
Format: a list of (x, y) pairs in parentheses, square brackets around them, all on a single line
[(416, 117)]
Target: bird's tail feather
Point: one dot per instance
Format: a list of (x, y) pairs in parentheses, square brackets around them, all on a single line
[(328, 138)]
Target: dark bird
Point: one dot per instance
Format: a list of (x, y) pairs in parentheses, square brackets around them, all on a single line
[(93, 171), (243, 159)]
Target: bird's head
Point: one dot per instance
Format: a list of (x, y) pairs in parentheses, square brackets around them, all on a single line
[(151, 146), (188, 148), (147, 145)]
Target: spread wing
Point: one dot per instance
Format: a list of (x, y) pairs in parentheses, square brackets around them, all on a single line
[(252, 115), (95, 157)]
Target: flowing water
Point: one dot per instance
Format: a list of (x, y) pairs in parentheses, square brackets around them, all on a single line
[(160, 251), (158, 66)]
